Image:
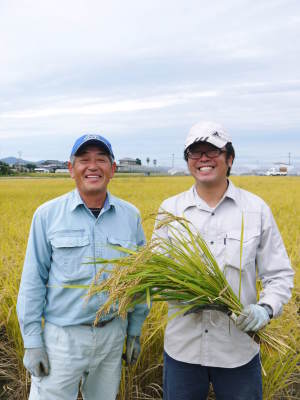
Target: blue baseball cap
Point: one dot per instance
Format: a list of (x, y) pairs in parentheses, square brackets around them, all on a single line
[(92, 139)]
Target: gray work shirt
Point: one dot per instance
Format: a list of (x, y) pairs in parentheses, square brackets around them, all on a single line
[(209, 338)]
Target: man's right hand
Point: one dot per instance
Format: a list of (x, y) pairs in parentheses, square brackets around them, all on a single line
[(36, 361)]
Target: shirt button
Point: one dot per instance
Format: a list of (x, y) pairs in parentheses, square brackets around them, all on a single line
[(212, 213), (206, 331), (211, 242)]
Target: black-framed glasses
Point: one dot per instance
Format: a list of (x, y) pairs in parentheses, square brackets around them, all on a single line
[(213, 153)]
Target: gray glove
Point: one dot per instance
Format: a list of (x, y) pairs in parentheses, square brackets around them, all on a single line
[(253, 318), (36, 361), (133, 349)]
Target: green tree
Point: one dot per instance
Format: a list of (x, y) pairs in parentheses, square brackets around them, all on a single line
[(30, 166), (5, 169)]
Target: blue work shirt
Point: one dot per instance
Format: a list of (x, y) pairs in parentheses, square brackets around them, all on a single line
[(64, 235)]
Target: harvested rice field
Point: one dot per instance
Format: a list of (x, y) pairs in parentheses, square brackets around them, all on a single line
[(20, 197)]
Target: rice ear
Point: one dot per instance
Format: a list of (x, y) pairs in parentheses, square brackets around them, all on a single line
[(182, 270)]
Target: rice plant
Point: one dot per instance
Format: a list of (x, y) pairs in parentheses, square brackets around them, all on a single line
[(181, 270)]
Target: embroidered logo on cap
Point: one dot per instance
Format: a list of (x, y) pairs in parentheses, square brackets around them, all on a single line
[(89, 137)]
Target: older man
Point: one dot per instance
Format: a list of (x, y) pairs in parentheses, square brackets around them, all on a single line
[(66, 233), (205, 346)]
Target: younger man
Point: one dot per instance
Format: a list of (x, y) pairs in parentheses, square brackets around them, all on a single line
[(201, 347)]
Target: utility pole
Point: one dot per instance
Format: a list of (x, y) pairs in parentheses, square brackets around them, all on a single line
[(289, 158), (19, 159), (173, 160)]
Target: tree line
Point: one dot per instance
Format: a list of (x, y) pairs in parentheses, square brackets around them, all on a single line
[(6, 169)]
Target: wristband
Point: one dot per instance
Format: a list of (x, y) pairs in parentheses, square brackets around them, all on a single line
[(268, 309)]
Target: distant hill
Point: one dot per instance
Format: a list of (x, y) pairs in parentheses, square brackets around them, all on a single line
[(14, 160)]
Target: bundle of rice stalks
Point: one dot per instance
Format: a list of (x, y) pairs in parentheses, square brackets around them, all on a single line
[(182, 270)]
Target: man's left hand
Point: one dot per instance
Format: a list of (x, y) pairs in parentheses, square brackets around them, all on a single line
[(133, 349), (253, 318)]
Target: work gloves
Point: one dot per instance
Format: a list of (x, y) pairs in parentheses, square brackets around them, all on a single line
[(253, 318), (36, 361), (133, 349)]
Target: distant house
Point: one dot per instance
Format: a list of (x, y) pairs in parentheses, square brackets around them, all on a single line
[(62, 171), (127, 161), (53, 165), (41, 170)]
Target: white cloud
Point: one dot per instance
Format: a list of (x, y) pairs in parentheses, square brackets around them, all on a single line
[(40, 38), (146, 68), (98, 108)]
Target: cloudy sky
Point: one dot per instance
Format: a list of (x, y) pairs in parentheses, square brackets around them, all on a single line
[(143, 72)]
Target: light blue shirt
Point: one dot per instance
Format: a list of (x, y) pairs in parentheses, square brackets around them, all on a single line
[(64, 235)]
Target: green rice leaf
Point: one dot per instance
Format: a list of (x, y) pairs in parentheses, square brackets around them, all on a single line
[(148, 297)]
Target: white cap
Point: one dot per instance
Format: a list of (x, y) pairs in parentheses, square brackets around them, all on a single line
[(209, 132)]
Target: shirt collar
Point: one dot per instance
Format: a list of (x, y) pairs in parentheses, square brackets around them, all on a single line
[(110, 201), (231, 192), (76, 201), (192, 199), (189, 199)]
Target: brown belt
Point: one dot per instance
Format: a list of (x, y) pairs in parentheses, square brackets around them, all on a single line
[(100, 324)]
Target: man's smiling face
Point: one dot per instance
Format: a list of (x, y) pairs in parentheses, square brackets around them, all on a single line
[(92, 170), (208, 171)]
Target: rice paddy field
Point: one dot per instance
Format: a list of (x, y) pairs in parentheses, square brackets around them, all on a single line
[(20, 197)]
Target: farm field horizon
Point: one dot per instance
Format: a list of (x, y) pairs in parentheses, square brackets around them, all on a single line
[(19, 198)]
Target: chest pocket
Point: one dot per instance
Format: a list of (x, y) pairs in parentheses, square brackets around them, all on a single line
[(249, 248), (113, 249), (69, 253), (248, 270)]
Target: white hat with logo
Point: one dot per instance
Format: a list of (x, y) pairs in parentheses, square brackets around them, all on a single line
[(209, 132)]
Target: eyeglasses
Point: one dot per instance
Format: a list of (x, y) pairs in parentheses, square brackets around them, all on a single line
[(213, 153)]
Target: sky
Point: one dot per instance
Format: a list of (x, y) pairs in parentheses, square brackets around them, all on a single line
[(141, 73)]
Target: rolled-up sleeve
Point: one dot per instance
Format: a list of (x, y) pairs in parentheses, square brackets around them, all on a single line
[(32, 292), (274, 267)]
